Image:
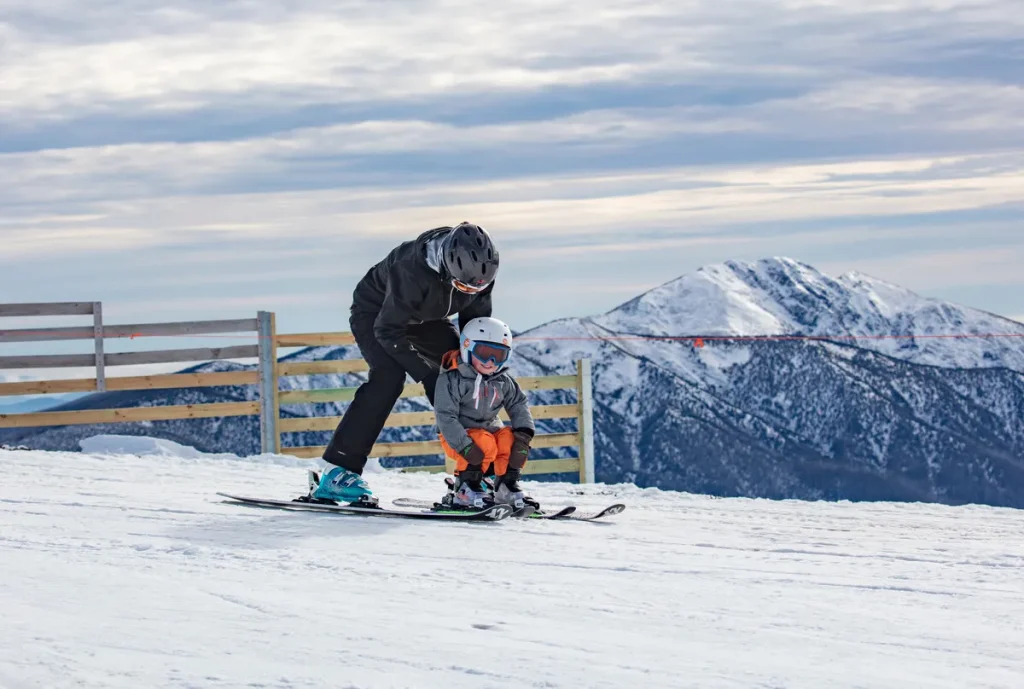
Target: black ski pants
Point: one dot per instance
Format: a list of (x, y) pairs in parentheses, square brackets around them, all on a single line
[(364, 419)]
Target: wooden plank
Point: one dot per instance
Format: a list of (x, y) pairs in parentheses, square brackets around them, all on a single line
[(547, 382), (128, 331), (315, 339), (94, 416), (556, 440), (129, 358), (183, 380), (325, 395), (585, 424), (309, 368), (175, 355), (417, 418), (47, 334), (552, 466), (97, 326), (48, 361), (75, 308), (160, 382), (313, 396), (44, 387), (429, 447), (270, 411), (183, 328)]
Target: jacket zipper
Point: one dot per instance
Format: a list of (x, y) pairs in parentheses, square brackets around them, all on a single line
[(451, 297)]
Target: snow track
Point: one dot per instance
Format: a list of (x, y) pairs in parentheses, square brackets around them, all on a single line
[(127, 571)]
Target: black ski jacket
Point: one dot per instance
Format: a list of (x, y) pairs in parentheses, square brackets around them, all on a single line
[(403, 289)]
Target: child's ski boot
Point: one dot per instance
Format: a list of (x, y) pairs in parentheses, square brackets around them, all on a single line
[(467, 491), (507, 490)]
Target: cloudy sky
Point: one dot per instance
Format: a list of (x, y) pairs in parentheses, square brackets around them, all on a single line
[(207, 159)]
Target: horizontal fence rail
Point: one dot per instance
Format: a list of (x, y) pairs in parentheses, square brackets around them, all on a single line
[(155, 382), (266, 377), (183, 329), (166, 356), (130, 414), (76, 308)]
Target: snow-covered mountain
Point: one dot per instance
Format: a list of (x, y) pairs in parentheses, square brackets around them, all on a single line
[(871, 414)]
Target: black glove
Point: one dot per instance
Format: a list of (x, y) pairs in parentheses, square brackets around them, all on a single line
[(520, 448), (473, 454)]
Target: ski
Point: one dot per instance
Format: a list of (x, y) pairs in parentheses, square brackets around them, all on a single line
[(600, 514), (567, 513), (527, 511), (487, 514)]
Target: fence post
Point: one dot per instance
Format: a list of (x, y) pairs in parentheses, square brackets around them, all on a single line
[(270, 439), (585, 400), (97, 327)]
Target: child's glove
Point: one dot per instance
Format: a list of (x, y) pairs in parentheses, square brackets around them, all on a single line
[(473, 454), (520, 449)]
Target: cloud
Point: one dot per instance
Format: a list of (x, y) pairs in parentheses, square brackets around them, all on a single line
[(688, 201), (245, 147), (929, 270), (447, 58)]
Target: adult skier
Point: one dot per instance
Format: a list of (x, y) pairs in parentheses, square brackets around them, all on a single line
[(400, 319)]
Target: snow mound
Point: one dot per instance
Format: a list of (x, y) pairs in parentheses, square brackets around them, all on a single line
[(143, 446)]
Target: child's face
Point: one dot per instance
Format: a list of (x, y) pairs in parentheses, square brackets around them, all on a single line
[(482, 368)]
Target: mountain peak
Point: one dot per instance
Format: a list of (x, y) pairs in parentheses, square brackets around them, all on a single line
[(783, 296)]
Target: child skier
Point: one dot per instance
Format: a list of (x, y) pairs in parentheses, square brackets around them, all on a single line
[(472, 388)]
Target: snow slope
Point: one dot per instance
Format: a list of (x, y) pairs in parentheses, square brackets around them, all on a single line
[(127, 571)]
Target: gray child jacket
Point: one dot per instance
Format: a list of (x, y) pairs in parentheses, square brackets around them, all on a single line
[(465, 399)]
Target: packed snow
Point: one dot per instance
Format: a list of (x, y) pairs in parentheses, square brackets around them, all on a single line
[(120, 567)]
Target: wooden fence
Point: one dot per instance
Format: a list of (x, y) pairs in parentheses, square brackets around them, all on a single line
[(268, 374), (98, 332)]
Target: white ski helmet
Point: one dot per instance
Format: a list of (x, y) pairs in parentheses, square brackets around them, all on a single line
[(488, 338)]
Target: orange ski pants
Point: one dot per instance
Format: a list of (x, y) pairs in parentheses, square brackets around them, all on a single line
[(496, 446)]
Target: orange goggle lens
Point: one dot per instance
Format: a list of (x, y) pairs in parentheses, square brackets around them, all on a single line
[(468, 289), (486, 351)]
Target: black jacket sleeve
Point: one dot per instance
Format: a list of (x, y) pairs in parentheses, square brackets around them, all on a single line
[(478, 308), (392, 321)]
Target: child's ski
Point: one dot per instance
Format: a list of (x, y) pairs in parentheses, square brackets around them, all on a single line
[(487, 514), (568, 512)]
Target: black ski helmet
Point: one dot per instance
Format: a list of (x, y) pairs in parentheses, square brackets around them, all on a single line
[(470, 256)]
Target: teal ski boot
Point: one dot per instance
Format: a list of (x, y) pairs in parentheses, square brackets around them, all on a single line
[(340, 485)]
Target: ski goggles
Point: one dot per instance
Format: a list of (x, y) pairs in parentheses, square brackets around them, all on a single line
[(466, 288), (490, 352)]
